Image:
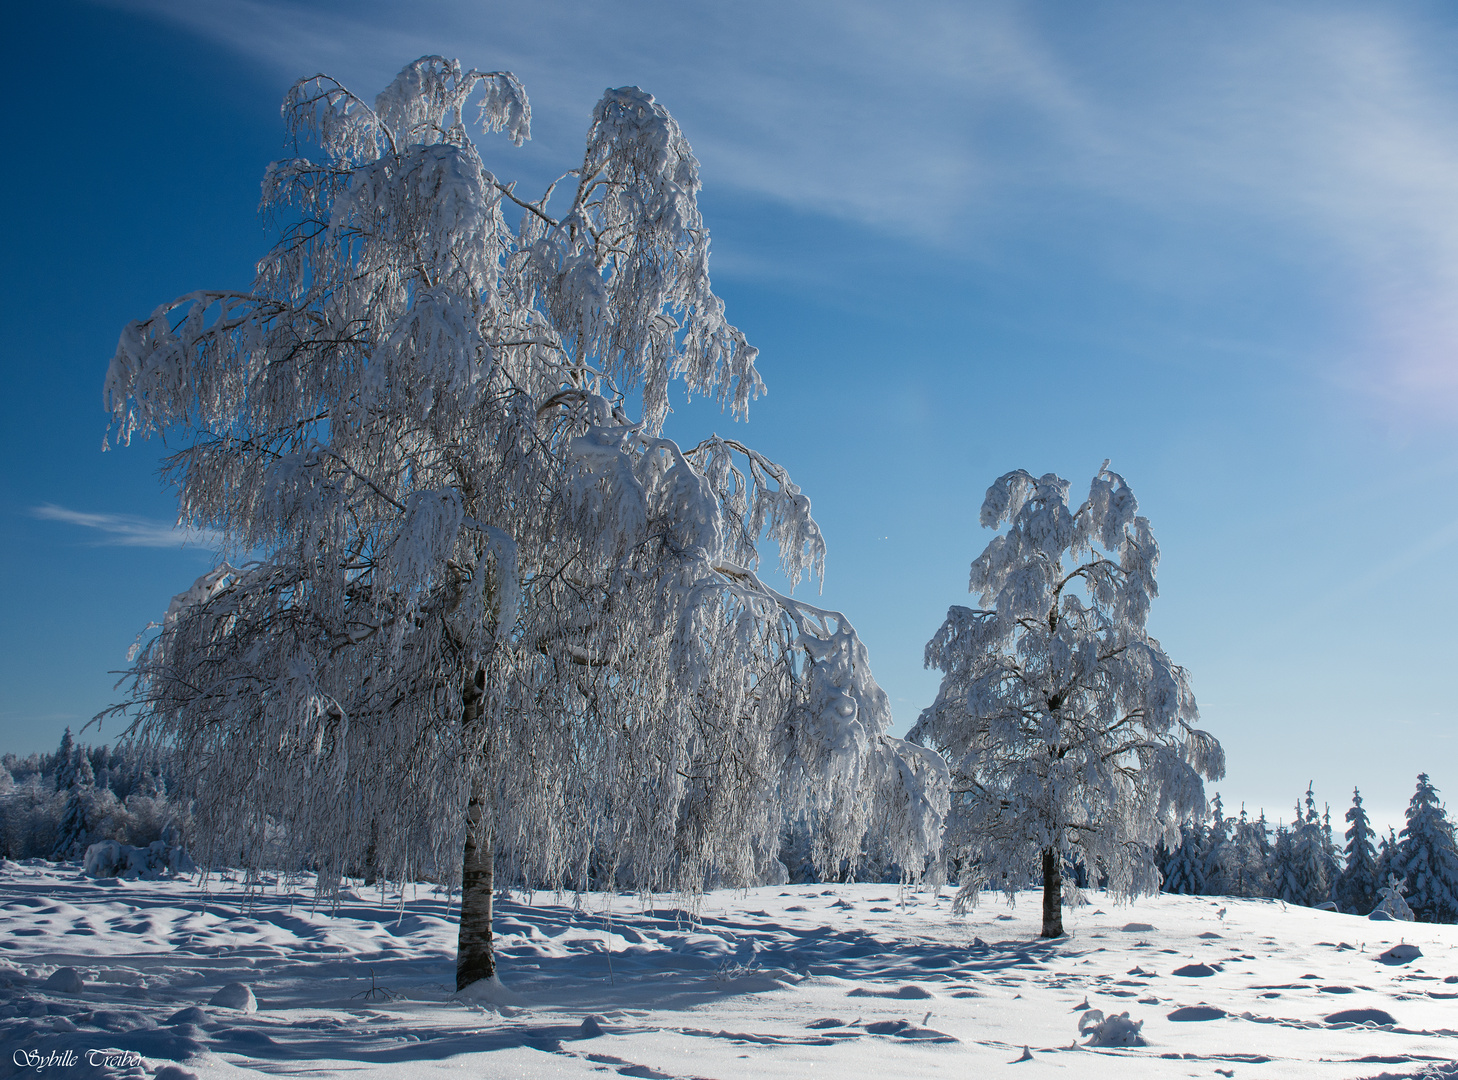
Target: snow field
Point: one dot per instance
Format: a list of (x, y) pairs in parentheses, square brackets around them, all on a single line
[(813, 980)]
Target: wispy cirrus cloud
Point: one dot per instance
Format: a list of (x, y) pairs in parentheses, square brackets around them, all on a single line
[(1171, 149), (128, 530)]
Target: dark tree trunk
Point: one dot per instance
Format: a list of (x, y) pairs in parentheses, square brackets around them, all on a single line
[(372, 855), (474, 959), (1052, 894)]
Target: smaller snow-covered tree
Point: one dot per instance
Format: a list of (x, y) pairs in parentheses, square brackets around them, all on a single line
[(1391, 901), (1356, 890), (1428, 857), (83, 776), (1070, 733)]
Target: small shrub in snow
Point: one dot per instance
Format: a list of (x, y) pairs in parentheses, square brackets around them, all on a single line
[(1392, 905), (1116, 1030)]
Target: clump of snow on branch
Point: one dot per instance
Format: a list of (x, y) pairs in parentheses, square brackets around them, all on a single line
[(461, 571)]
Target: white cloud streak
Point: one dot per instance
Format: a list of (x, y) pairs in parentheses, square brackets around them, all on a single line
[(127, 530)]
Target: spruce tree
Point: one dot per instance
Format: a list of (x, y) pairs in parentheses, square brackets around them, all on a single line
[(1357, 886), (1249, 873), (1429, 858), (74, 832), (83, 776), (1287, 881), (1387, 857), (66, 762), (1217, 853), (1308, 874), (1184, 872)]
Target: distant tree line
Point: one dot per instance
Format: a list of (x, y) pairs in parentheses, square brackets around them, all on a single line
[(1302, 862), (54, 806)]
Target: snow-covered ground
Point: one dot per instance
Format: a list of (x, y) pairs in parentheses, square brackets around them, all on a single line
[(799, 981)]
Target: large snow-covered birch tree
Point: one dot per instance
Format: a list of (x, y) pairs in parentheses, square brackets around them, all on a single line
[(478, 616), (1070, 734)]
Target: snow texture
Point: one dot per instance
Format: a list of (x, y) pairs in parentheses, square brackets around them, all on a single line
[(751, 985)]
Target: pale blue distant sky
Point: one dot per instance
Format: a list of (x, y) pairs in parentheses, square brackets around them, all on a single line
[(1215, 243)]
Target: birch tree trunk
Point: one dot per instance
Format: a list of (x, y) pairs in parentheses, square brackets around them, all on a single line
[(474, 958), (1052, 894)]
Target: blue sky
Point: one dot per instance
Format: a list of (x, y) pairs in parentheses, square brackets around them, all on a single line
[(1214, 243)]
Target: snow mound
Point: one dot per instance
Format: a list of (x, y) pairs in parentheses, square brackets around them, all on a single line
[(1194, 971), (65, 980), (1196, 1012), (909, 991), (905, 1029), (174, 1072), (490, 991), (235, 995), (1361, 1016), (590, 1028), (110, 859), (1110, 1030), (1400, 954)]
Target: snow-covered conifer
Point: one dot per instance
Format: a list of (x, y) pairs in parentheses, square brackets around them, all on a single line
[(1357, 887), (81, 773), (1070, 734), (1287, 881), (1184, 870), (1216, 852), (491, 619), (1428, 858), (1311, 860), (66, 762), (1248, 868), (73, 834), (1331, 859)]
